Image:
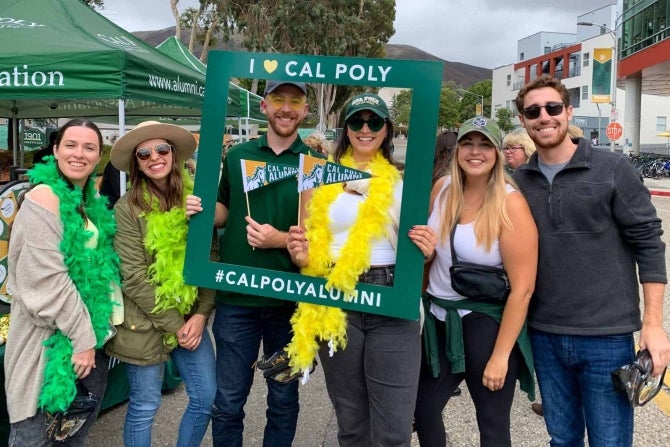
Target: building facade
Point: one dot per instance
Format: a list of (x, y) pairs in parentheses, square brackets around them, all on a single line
[(641, 106)]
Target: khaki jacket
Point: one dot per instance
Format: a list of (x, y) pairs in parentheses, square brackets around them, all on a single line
[(139, 340)]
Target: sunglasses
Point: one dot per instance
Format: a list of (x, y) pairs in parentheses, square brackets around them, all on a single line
[(375, 123), (552, 108), (295, 103), (636, 381), (162, 149)]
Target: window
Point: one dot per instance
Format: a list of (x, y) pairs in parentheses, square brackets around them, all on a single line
[(585, 92), (547, 50), (586, 59), (509, 80), (521, 56), (661, 123)]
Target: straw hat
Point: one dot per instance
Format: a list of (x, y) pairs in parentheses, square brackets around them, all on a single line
[(182, 140)]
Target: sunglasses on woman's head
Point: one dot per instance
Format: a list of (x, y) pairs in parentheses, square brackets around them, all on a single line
[(375, 123), (162, 149), (552, 108)]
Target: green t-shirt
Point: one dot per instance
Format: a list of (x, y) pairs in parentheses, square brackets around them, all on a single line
[(275, 204)]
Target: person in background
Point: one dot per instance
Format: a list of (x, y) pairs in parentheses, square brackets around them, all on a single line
[(517, 148), (110, 186), (444, 148), (318, 142), (40, 155), (372, 380), (575, 131), (482, 342), (164, 317), (596, 224), (62, 267), (242, 321)]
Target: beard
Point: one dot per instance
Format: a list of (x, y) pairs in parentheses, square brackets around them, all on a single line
[(552, 142), (284, 130)]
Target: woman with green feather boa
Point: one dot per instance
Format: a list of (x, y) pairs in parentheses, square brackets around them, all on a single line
[(62, 269), (163, 316)]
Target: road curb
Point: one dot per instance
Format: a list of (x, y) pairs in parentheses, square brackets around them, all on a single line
[(659, 193)]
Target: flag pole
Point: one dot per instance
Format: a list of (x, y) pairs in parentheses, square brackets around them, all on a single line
[(246, 194)]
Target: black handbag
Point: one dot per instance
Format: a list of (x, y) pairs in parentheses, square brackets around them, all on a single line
[(63, 425), (476, 281)]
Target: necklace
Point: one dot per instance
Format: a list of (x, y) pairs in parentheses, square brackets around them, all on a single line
[(467, 206)]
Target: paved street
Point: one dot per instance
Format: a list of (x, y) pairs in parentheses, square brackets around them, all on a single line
[(316, 425)]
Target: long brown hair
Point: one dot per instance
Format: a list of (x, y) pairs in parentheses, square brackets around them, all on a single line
[(166, 200)]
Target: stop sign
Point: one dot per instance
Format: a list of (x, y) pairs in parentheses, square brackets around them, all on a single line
[(614, 131)]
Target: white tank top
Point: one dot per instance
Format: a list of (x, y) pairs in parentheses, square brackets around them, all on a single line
[(465, 245), (343, 213)]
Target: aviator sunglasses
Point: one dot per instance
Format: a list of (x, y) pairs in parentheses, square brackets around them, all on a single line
[(375, 123), (162, 149), (552, 108)]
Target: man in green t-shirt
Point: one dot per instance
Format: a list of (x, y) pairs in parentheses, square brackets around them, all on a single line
[(256, 236)]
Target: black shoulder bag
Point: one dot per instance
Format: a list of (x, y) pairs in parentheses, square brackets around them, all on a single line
[(475, 281)]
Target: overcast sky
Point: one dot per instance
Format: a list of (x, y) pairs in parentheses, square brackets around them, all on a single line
[(477, 32)]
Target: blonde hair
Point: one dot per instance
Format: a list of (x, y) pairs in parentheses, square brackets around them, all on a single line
[(575, 131), (520, 138), (318, 142), (491, 217)]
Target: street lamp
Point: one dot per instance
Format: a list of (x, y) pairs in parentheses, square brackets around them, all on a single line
[(614, 69), (481, 97)]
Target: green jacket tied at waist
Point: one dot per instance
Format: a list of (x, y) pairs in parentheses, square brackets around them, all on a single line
[(454, 349)]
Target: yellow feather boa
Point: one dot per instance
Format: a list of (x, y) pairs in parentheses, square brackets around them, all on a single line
[(312, 322)]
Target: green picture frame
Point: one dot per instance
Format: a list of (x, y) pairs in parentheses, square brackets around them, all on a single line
[(424, 78)]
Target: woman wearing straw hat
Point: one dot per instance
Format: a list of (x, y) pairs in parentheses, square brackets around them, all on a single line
[(163, 316)]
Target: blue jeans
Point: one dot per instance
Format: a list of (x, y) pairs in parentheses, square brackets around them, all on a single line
[(574, 376), (238, 332), (198, 372)]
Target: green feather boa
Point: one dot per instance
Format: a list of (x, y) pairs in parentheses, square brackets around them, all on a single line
[(92, 271), (166, 241)]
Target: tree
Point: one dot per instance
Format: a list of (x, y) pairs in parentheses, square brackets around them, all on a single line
[(450, 112), (177, 18), (504, 119), (358, 28), (473, 96), (400, 109)]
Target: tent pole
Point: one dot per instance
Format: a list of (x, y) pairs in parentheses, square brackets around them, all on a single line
[(122, 131), (15, 131)]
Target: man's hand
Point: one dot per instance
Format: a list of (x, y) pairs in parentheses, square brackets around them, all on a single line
[(264, 235)]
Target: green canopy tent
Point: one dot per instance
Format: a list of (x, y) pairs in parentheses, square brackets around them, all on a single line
[(60, 58), (242, 104)]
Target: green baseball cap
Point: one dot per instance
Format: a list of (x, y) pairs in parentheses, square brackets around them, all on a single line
[(366, 101), (483, 125)]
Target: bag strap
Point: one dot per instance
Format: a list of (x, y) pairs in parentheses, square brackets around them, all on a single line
[(454, 258)]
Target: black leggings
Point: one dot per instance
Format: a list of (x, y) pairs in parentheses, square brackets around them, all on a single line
[(493, 407)]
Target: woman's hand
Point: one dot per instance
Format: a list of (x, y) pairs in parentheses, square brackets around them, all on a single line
[(495, 373), (425, 238), (297, 245), (193, 205), (83, 362), (189, 335)]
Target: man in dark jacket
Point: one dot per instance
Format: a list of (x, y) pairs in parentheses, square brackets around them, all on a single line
[(596, 224)]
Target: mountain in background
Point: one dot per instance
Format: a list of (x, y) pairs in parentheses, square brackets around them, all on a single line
[(463, 75)]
